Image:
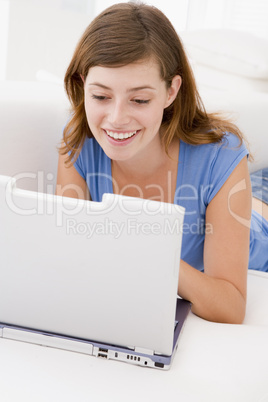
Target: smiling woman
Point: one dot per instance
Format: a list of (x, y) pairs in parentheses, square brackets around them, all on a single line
[(139, 128)]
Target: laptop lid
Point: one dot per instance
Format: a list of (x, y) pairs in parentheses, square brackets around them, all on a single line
[(103, 271)]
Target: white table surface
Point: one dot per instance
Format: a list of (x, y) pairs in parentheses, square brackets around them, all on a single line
[(214, 362)]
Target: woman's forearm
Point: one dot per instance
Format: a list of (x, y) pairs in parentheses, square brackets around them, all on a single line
[(212, 299)]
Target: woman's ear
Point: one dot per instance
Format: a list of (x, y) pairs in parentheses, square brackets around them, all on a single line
[(82, 78), (173, 90)]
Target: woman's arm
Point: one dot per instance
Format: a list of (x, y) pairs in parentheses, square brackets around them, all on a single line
[(219, 294), (69, 181)]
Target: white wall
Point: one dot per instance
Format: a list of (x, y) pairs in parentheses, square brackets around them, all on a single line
[(41, 36), (175, 10), (241, 15), (4, 18)]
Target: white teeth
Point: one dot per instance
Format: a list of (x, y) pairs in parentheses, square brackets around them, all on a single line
[(120, 136)]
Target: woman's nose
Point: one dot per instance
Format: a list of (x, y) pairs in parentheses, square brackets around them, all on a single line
[(119, 114)]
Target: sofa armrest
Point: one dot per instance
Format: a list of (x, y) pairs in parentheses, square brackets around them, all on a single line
[(32, 117)]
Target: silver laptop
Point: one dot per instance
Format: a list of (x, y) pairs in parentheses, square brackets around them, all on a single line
[(99, 278)]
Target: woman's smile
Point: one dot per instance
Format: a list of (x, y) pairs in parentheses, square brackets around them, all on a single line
[(119, 138)]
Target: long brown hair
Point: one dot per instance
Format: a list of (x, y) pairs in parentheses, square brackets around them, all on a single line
[(126, 33)]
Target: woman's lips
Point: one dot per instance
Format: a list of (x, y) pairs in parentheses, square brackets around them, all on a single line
[(120, 137)]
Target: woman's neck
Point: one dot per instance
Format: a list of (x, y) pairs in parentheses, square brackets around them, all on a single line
[(148, 176), (147, 164)]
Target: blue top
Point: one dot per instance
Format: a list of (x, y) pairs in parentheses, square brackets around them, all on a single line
[(202, 170)]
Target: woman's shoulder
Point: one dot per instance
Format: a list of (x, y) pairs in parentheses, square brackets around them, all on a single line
[(229, 147), (209, 165)]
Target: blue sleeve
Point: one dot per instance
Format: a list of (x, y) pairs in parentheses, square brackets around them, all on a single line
[(94, 167), (85, 163), (78, 167), (227, 156)]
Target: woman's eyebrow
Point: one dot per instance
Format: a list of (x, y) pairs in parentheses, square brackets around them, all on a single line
[(141, 88), (98, 85), (129, 90)]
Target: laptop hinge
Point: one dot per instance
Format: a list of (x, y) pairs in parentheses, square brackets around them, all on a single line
[(144, 351)]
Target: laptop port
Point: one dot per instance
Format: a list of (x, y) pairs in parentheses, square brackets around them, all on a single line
[(102, 355), (103, 350), (160, 365)]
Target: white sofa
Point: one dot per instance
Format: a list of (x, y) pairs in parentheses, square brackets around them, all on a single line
[(32, 116)]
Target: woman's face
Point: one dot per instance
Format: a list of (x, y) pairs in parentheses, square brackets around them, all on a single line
[(124, 107)]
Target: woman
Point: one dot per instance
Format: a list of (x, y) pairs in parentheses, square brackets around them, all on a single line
[(138, 128)]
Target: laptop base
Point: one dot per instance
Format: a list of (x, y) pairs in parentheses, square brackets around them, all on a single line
[(123, 354)]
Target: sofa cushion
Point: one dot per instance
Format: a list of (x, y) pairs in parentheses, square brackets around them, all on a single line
[(237, 52)]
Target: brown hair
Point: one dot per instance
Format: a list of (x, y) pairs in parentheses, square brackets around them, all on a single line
[(126, 33)]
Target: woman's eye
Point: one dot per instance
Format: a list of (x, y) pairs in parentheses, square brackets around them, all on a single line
[(99, 97), (141, 101)]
